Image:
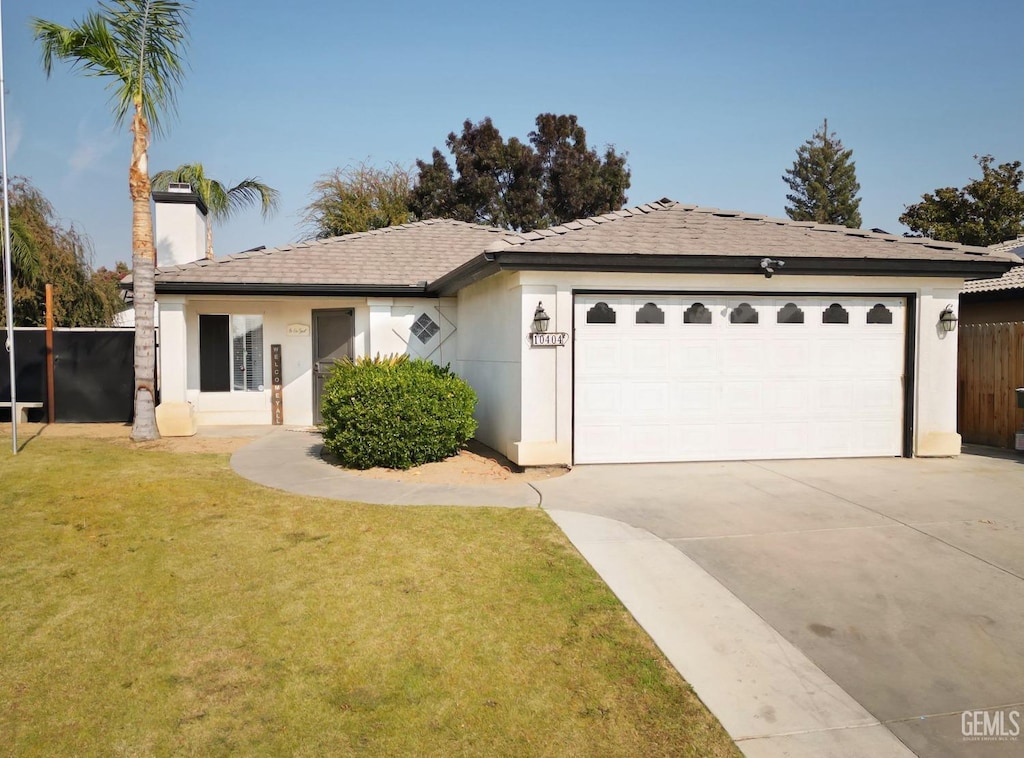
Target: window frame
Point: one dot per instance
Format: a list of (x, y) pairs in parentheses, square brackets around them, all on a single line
[(234, 332)]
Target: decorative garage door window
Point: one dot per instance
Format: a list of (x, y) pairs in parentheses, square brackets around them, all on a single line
[(790, 313), (744, 313), (601, 313), (697, 314), (879, 314), (650, 314), (835, 314), (424, 328)]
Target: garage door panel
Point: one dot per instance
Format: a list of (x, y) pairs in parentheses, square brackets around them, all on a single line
[(742, 356), (691, 442), (596, 399), (710, 384), (599, 443), (646, 398), (650, 442), (742, 398), (693, 400), (647, 356), (789, 357), (601, 356), (790, 397), (878, 396)]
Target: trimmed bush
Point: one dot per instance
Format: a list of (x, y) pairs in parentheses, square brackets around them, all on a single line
[(395, 412)]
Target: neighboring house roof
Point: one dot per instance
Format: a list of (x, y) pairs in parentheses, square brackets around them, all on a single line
[(1011, 280), (399, 259), (440, 256)]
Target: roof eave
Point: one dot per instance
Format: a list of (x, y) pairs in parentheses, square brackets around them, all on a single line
[(298, 290), (490, 263)]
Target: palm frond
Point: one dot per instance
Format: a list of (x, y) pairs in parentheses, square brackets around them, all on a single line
[(252, 192), (25, 260), (139, 45), (221, 201)]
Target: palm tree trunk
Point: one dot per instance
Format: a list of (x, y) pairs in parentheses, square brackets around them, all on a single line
[(143, 287), (209, 237)]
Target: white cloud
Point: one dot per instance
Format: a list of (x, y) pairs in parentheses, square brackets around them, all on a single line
[(14, 132), (91, 148)]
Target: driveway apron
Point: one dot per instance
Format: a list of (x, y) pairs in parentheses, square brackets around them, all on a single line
[(898, 582)]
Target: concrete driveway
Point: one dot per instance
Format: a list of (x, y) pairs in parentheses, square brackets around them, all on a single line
[(902, 580)]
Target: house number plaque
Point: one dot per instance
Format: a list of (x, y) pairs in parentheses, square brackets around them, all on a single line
[(549, 339), (276, 386)]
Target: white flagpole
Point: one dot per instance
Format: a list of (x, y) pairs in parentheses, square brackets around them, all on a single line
[(8, 284)]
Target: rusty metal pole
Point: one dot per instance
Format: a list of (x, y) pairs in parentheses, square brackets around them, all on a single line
[(51, 409)]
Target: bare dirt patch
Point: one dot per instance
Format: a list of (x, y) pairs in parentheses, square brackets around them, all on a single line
[(477, 464), (119, 433)]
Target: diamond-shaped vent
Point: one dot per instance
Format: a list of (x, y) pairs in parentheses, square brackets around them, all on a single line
[(425, 328)]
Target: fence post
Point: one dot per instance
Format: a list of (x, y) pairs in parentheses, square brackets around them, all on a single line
[(51, 410)]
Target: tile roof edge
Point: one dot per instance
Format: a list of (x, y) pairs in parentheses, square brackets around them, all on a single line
[(341, 238), (569, 227)]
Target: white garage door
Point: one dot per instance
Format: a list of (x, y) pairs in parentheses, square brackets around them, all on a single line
[(712, 377)]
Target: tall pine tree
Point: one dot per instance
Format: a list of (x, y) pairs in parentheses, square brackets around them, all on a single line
[(823, 181)]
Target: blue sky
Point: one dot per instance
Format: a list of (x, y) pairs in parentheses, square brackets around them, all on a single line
[(710, 99)]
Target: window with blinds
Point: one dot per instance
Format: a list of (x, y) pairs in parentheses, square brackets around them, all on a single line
[(247, 353)]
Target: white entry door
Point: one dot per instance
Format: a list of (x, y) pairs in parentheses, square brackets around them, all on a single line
[(714, 377)]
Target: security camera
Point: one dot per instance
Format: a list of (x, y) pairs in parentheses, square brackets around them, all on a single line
[(768, 266)]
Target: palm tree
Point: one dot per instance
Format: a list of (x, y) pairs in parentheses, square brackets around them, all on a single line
[(220, 201), (26, 264), (138, 47)]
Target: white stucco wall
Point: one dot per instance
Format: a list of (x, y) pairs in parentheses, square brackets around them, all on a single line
[(531, 421), (180, 231), (381, 326), (490, 356)]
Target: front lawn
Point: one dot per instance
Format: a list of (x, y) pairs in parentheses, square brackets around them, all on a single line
[(154, 603)]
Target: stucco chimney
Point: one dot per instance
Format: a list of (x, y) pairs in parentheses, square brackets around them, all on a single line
[(180, 218)]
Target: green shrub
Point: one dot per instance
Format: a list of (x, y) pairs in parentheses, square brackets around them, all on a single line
[(395, 412)]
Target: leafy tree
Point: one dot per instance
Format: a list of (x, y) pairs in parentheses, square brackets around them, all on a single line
[(357, 199), (222, 202), (138, 47), (984, 212), (577, 183), (823, 181), (46, 252), (552, 179)]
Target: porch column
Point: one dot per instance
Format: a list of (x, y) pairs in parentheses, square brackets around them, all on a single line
[(936, 393), (173, 350)]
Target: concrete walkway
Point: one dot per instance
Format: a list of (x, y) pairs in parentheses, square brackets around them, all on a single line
[(289, 459)]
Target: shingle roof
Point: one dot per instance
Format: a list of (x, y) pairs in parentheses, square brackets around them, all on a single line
[(402, 255), (410, 254), (670, 228), (1011, 280)]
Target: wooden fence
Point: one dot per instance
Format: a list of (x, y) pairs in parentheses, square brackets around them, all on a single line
[(990, 368)]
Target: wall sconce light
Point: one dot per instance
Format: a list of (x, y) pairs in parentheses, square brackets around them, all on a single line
[(540, 319), (948, 319)]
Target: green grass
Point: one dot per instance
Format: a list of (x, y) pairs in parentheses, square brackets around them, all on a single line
[(154, 603)]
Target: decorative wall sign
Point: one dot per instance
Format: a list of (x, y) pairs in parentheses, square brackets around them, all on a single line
[(276, 386), (297, 330), (549, 339)]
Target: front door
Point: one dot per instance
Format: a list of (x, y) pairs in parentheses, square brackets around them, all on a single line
[(333, 334)]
